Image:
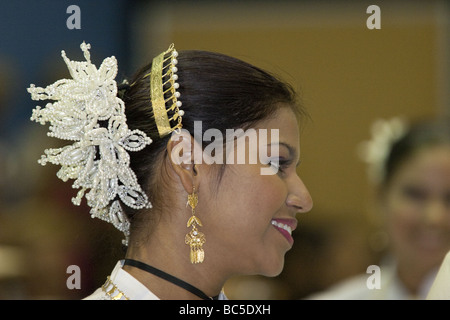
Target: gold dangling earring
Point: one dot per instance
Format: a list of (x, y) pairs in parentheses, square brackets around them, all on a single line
[(195, 239)]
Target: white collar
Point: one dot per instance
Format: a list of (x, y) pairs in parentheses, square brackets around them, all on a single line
[(121, 285)]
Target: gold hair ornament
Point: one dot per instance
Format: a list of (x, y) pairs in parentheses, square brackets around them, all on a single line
[(195, 239), (163, 91)]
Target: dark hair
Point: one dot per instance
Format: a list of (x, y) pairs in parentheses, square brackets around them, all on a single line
[(221, 91), (420, 135)]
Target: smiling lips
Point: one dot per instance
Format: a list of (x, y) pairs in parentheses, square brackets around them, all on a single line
[(285, 227)]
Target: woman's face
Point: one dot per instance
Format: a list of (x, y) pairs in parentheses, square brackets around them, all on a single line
[(418, 208), (248, 220)]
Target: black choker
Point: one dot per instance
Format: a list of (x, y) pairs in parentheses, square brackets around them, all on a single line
[(170, 278)]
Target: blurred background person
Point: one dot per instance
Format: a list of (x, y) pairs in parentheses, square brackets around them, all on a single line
[(411, 169)]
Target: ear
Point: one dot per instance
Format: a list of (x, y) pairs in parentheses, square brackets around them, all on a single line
[(180, 149)]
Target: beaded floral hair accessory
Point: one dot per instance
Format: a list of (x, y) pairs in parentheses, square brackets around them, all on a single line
[(375, 151), (88, 112)]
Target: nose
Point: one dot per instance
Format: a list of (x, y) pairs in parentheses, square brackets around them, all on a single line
[(299, 197)]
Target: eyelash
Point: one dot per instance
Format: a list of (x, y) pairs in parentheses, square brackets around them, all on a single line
[(281, 164)]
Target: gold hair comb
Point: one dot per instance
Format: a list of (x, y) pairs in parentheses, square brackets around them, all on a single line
[(163, 91)]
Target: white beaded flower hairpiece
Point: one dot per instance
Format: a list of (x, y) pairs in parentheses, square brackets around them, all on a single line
[(88, 112), (375, 151)]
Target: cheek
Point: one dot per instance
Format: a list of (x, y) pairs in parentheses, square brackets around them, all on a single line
[(262, 197), (403, 219), (245, 206)]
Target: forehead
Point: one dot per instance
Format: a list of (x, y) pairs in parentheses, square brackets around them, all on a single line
[(432, 157), (285, 121), (430, 163)]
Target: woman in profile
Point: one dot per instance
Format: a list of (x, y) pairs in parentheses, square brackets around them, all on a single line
[(190, 222)]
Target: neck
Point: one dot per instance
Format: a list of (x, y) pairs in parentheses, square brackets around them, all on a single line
[(173, 259), (412, 277)]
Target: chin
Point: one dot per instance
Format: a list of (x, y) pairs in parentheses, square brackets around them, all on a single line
[(272, 268)]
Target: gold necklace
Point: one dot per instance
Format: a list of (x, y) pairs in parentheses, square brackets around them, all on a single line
[(112, 291)]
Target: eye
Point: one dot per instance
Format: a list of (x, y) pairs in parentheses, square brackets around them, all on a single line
[(414, 193), (447, 199), (279, 164), (275, 165)]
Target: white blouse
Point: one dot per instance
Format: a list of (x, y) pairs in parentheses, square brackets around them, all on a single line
[(440, 289), (391, 288)]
